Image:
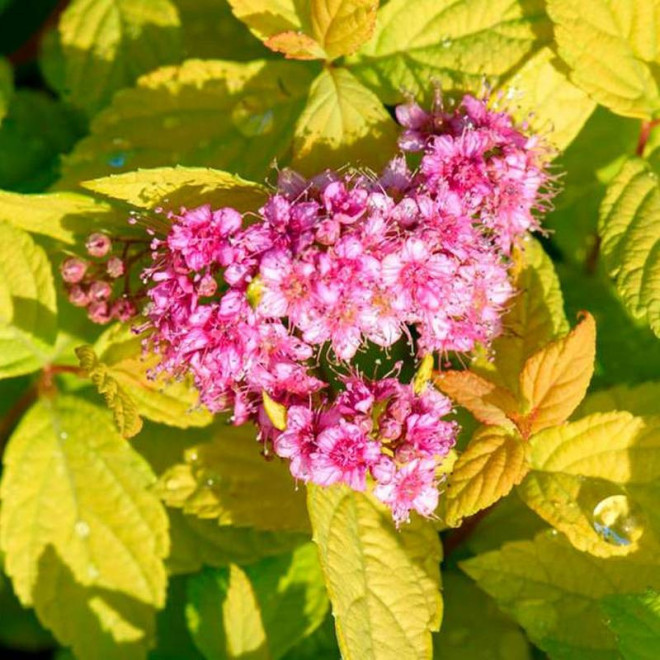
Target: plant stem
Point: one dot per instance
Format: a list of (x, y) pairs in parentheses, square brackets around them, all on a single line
[(644, 134)]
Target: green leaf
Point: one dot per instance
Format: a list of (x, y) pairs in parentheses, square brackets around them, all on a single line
[(323, 29), (276, 411), (343, 122), (639, 400), (66, 217), (456, 44), (611, 49), (221, 478), (320, 645), (95, 568), (553, 591), (226, 115), (28, 307), (493, 463), (594, 480), (489, 636), (541, 93), (107, 44), (635, 620), (169, 401), (175, 187), (384, 583), (631, 239), (535, 318), (34, 134), (123, 407), (279, 600), (6, 86)]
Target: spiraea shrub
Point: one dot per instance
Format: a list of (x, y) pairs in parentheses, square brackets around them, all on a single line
[(330, 329)]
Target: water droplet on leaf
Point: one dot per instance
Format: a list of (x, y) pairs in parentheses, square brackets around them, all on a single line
[(117, 159), (617, 520), (82, 529), (93, 572)]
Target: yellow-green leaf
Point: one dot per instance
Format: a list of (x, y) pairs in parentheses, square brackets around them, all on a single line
[(96, 622), (455, 44), (260, 611), (28, 308), (423, 374), (107, 44), (109, 529), (489, 403), (630, 233), (541, 93), (170, 401), (175, 187), (535, 317), (228, 479), (384, 583), (553, 591), (639, 400), (612, 52), (343, 122), (64, 216), (489, 636), (228, 115), (493, 463), (318, 29), (124, 410), (594, 480), (276, 411), (555, 379)]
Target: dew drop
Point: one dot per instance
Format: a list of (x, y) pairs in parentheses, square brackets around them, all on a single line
[(193, 456), (209, 482), (93, 572), (446, 42), (251, 119), (64, 435), (117, 159), (617, 520), (82, 529)]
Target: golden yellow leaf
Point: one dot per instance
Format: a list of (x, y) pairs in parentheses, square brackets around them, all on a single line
[(493, 463)]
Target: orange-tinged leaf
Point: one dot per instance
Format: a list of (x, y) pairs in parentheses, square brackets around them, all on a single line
[(493, 463), (555, 379), (489, 403), (295, 46)]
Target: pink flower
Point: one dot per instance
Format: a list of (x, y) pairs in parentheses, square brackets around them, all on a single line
[(413, 487), (298, 441), (344, 453)]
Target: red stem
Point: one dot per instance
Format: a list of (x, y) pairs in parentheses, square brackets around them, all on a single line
[(644, 134)]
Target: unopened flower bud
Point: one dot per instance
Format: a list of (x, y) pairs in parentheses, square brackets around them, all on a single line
[(73, 270), (207, 286), (78, 297), (98, 244), (99, 290), (123, 310), (99, 312), (115, 267)]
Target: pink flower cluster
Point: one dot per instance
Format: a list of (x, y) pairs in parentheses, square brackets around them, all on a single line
[(339, 263)]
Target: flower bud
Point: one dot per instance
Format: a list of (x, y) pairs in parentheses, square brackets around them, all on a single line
[(123, 310), (73, 270), (99, 290), (77, 296), (115, 267), (98, 312), (98, 244), (207, 286)]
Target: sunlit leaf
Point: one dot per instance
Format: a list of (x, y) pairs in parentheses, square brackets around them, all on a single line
[(227, 115), (383, 583), (174, 187), (630, 235), (553, 591), (493, 463), (594, 480), (228, 479), (28, 307), (343, 122), (639, 400), (107, 44), (611, 49), (456, 44)]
